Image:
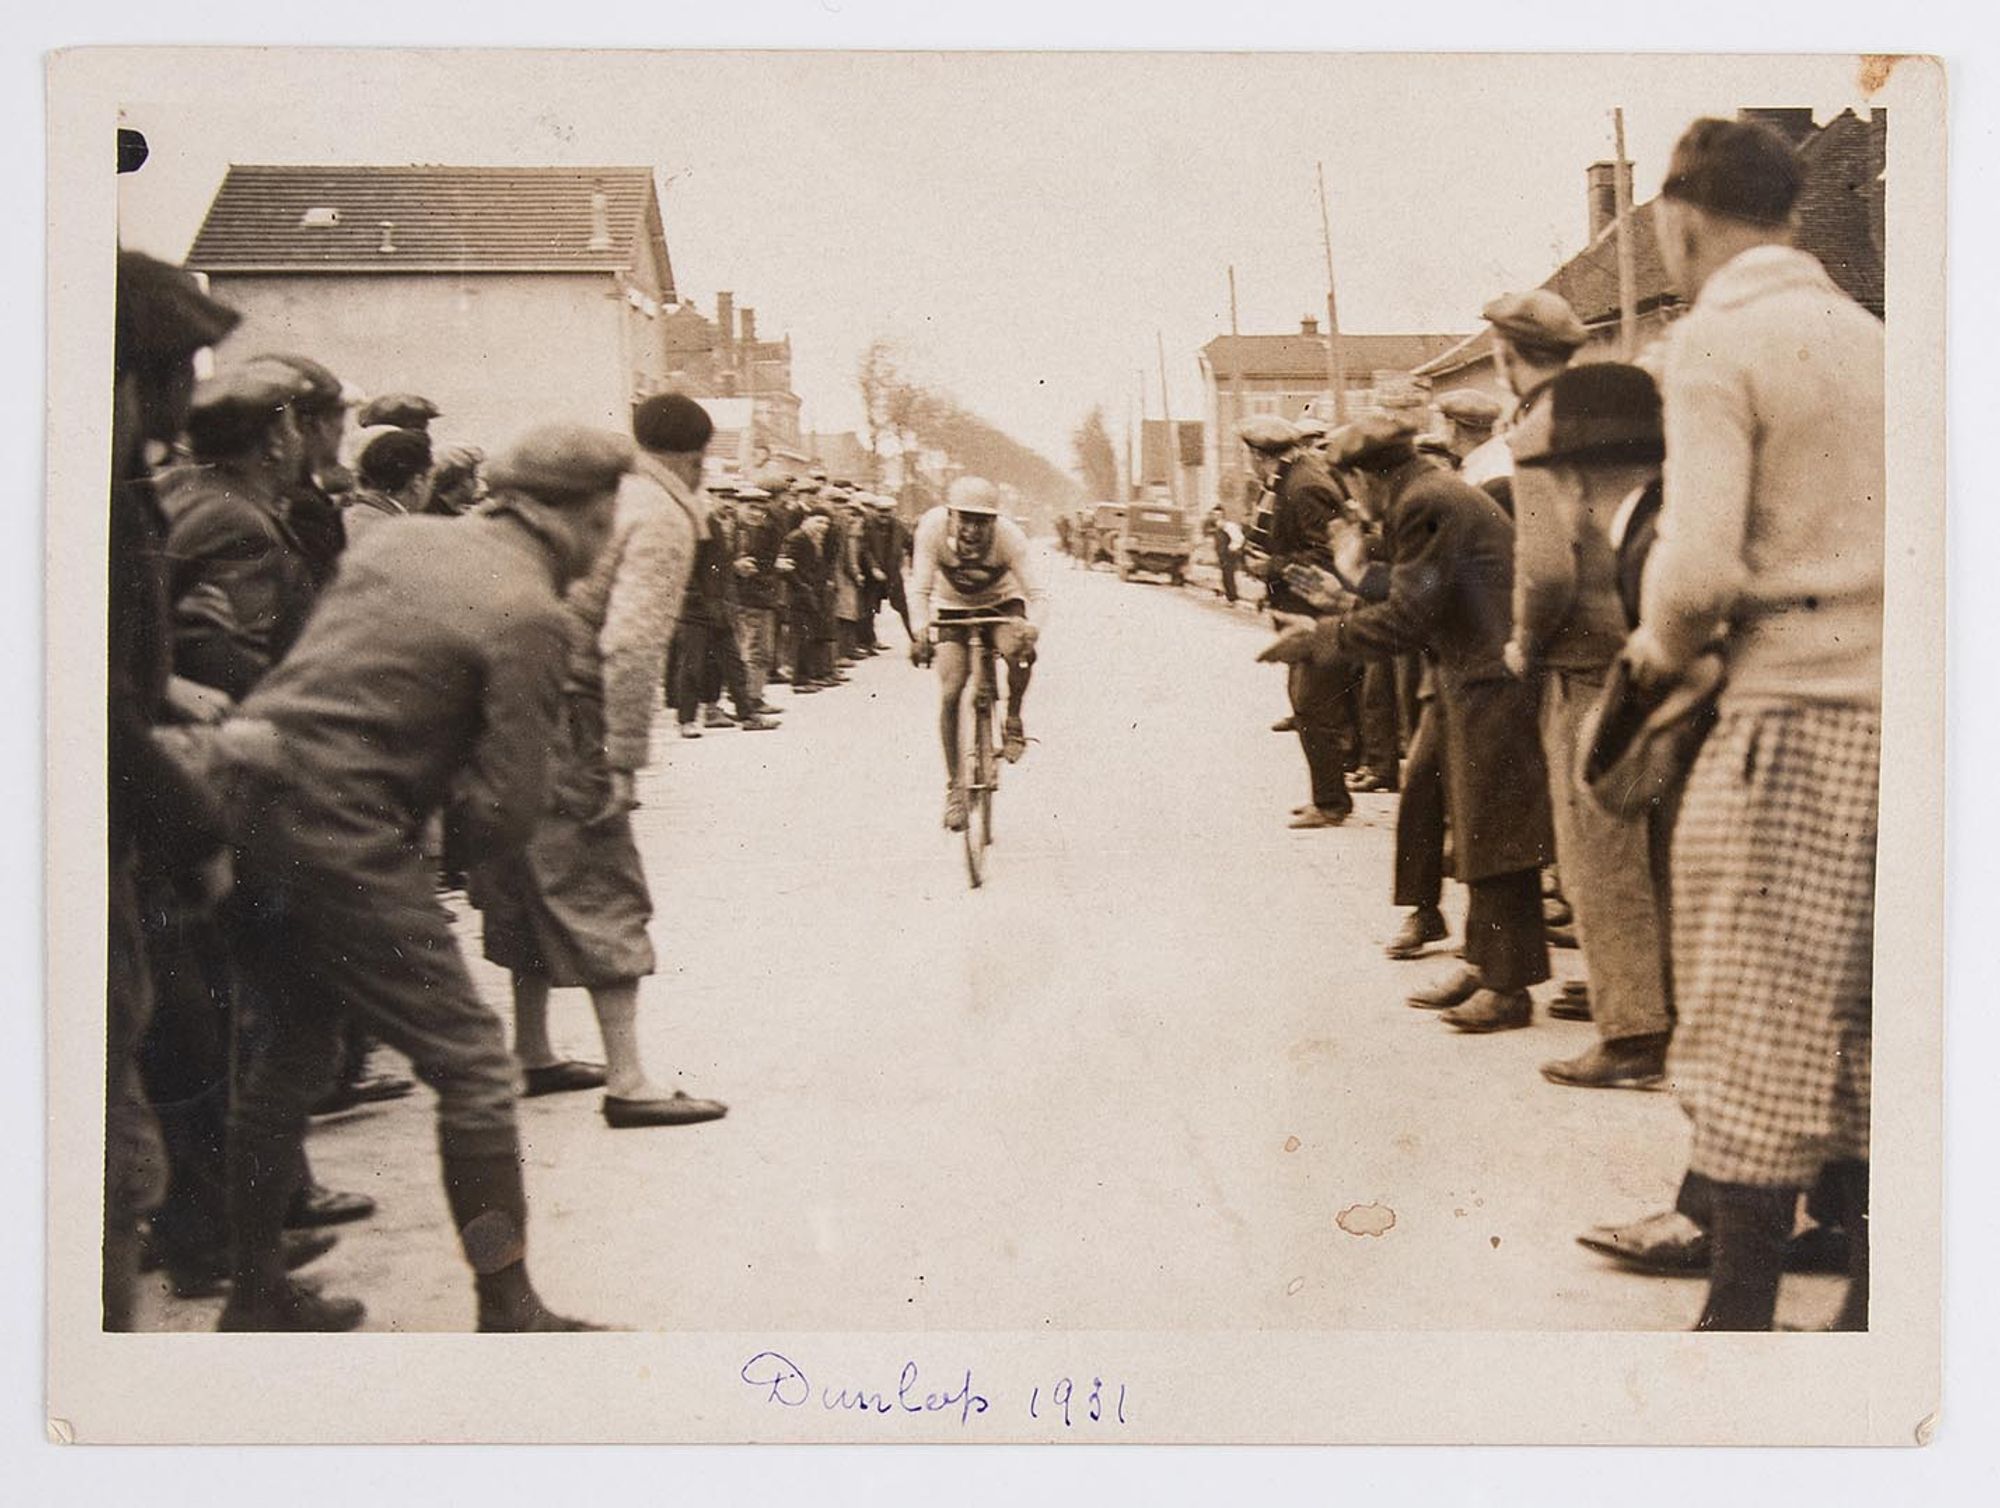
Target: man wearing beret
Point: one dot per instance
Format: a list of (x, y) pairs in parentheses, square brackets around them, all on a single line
[(432, 671), (1771, 527), (1446, 590), (1323, 692), (569, 909)]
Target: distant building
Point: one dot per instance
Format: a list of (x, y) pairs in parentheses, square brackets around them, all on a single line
[(1287, 375), (1840, 221), (723, 358), (1173, 457), (508, 296), (841, 455)]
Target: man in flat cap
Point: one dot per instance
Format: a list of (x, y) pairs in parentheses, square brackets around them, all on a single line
[(400, 410), (392, 469), (1470, 418), (1323, 693), (432, 671), (1445, 590), (760, 587), (1771, 527), (806, 564), (1535, 336), (164, 826), (569, 910), (311, 504)]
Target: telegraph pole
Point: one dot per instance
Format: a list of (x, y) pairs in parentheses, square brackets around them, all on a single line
[(1336, 366), (1230, 442), (1621, 183), (1173, 425)]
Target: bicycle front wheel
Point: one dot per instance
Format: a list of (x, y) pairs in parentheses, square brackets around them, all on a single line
[(976, 770)]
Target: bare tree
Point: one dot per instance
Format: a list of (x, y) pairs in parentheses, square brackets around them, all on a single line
[(1096, 457)]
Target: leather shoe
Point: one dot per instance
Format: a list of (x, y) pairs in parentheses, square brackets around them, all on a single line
[(566, 1077), (204, 1275), (1285, 725), (1425, 924), (1456, 990), (1633, 1063), (294, 1308), (756, 722), (675, 1110), (1663, 1242), (1492, 1011), (364, 1091), (1318, 816), (315, 1205)]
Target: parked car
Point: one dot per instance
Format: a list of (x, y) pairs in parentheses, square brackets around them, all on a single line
[(1107, 522), (1156, 539)]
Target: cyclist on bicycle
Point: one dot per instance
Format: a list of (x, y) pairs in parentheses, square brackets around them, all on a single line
[(974, 564)]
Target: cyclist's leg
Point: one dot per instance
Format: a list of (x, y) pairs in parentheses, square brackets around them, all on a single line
[(952, 668), (1020, 660)]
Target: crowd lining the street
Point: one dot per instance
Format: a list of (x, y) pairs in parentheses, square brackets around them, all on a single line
[(1620, 661)]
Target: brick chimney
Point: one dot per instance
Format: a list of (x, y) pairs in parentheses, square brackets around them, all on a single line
[(1601, 190), (750, 333), (1309, 325), (1795, 125), (725, 321)]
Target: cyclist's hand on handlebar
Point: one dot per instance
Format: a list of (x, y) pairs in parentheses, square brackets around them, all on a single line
[(922, 651)]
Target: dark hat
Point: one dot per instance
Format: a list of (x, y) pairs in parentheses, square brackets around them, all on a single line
[(563, 463), (1734, 168), (232, 409), (1634, 747), (324, 392), (1470, 407), (721, 487), (1538, 319), (403, 410), (1269, 433), (672, 423), (1602, 408), (390, 457), (163, 315), (1377, 442)]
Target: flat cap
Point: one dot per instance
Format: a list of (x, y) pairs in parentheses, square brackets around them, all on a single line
[(1536, 318), (1311, 430), (722, 486), (1268, 433), (163, 316), (1375, 442), (563, 463), (672, 423), (403, 410), (1735, 168), (753, 495), (1470, 407), (1602, 409), (324, 391), (808, 486), (230, 410)]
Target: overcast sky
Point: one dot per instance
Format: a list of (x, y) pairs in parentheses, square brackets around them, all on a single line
[(1024, 224)]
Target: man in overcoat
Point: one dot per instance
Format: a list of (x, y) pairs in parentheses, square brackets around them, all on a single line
[(808, 552), (1446, 590)]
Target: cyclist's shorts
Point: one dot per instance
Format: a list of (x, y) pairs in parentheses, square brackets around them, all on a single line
[(1006, 638)]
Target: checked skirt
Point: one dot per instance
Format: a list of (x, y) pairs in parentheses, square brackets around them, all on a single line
[(1773, 923)]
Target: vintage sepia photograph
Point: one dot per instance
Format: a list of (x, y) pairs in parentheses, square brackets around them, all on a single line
[(920, 745)]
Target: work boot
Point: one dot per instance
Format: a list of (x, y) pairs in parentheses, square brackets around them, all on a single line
[(756, 722), (315, 1205), (714, 717), (1627, 1063), (1572, 1002), (489, 1205), (1317, 816), (1492, 1011), (204, 1274), (1424, 925), (690, 730), (1456, 990)]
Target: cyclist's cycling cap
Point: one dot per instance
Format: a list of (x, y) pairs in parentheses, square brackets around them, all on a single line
[(973, 494)]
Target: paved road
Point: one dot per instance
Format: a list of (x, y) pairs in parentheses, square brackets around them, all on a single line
[(1133, 1082)]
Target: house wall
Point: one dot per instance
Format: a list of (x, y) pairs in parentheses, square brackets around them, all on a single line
[(497, 352)]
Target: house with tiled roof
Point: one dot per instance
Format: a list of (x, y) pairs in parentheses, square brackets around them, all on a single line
[(1286, 374), (1839, 220), (509, 296)]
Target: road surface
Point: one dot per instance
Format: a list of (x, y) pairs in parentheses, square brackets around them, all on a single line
[(1156, 1074)]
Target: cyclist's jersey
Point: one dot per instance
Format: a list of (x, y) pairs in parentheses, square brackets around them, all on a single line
[(939, 579)]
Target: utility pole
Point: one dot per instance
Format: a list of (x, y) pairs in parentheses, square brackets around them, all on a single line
[(1621, 183), (1229, 442), (1336, 366), (1173, 426)]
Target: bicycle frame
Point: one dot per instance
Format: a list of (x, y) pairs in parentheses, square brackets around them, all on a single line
[(979, 764)]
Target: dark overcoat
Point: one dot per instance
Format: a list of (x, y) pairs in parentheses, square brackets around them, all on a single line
[(1446, 590)]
